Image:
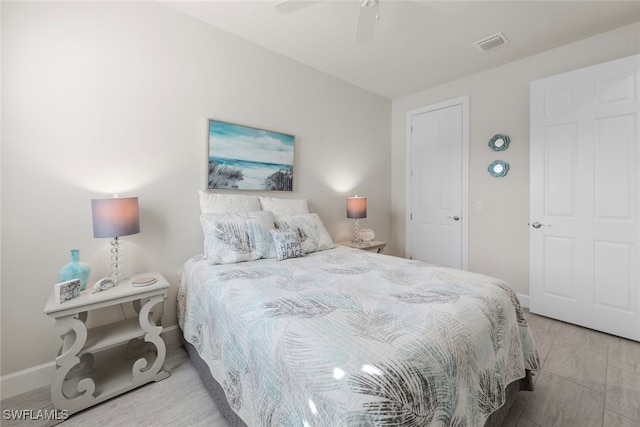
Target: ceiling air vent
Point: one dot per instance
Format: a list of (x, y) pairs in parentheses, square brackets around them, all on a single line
[(490, 42)]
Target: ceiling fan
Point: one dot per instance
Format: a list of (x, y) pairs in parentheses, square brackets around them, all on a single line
[(368, 13)]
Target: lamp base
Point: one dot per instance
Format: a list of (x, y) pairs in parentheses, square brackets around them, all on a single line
[(116, 270), (356, 233)]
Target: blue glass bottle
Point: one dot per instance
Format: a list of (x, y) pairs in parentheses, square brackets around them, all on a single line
[(75, 269)]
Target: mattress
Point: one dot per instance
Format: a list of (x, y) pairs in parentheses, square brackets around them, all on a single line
[(349, 337)]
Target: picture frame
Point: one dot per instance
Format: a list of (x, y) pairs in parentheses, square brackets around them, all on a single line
[(247, 158), (67, 290)]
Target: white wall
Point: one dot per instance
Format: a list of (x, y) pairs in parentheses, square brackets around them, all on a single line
[(111, 97), (499, 103)]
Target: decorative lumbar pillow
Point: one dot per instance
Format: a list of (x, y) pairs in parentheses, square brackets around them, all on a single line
[(237, 236), (222, 203), (313, 236), (284, 207), (287, 243)]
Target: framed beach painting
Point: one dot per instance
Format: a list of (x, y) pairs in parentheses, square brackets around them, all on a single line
[(246, 158)]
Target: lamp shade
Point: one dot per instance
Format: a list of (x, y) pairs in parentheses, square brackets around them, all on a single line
[(356, 207), (115, 217)]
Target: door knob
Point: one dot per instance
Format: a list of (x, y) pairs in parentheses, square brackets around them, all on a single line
[(455, 217), (538, 225)]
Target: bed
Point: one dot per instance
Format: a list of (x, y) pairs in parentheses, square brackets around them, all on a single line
[(339, 336)]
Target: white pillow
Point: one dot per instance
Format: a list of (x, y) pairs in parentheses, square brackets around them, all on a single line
[(287, 243), (284, 207), (313, 236), (237, 236), (221, 203)]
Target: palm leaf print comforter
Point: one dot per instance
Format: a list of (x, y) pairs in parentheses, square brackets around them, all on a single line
[(345, 337)]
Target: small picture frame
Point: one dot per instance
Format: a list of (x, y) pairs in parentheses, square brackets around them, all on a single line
[(65, 291)]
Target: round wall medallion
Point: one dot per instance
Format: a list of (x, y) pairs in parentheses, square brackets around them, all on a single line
[(499, 142), (498, 168)]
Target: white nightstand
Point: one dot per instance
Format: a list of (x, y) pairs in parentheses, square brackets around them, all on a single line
[(375, 245), (77, 383)]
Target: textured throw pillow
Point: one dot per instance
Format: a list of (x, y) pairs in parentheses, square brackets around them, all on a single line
[(237, 236), (287, 243), (313, 236), (221, 203), (284, 207)]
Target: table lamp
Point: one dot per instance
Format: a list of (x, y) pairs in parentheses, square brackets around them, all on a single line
[(356, 209), (115, 217)]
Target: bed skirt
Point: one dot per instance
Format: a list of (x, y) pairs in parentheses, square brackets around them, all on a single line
[(217, 393)]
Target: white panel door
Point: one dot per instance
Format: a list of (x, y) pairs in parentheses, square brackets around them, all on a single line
[(585, 195), (436, 213)]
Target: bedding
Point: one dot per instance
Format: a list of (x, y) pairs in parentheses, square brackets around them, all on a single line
[(284, 207), (313, 236), (222, 203), (349, 337), (287, 241), (237, 236), (232, 419)]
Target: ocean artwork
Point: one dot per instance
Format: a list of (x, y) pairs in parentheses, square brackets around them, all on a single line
[(246, 158)]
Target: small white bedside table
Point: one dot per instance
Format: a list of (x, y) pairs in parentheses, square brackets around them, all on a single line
[(77, 383), (375, 245)]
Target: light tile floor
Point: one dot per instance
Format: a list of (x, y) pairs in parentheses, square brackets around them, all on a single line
[(587, 379)]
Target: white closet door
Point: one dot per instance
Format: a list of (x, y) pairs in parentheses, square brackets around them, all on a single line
[(584, 197), (437, 223)]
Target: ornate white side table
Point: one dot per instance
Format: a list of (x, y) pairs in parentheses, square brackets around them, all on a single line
[(81, 379)]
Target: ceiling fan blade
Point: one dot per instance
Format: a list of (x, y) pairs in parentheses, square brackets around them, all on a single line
[(365, 25), (290, 6)]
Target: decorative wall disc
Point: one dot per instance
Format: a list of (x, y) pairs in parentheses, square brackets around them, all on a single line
[(498, 168), (499, 142)]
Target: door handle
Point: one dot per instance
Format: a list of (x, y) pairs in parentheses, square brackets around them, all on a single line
[(538, 225), (454, 217)]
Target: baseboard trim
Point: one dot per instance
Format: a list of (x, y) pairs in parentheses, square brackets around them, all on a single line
[(172, 335), (27, 380), (524, 300), (39, 376)]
